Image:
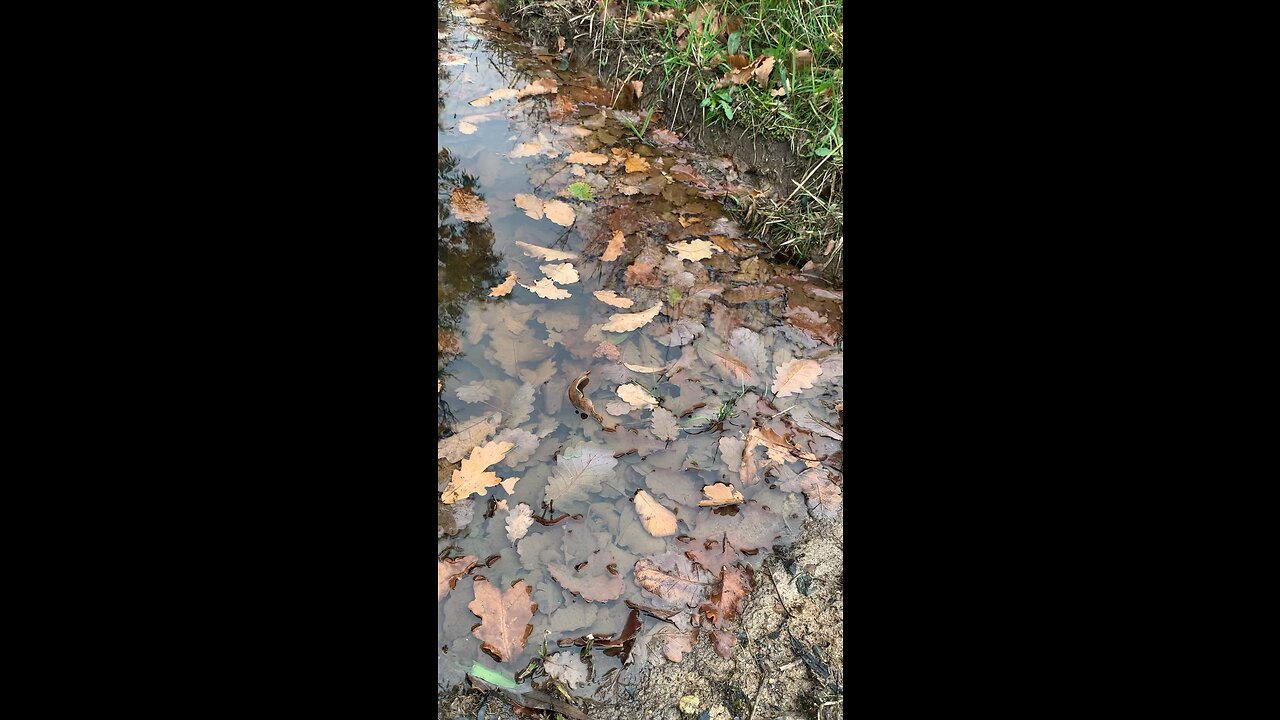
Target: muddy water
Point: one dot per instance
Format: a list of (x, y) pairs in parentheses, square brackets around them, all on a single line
[(737, 378)]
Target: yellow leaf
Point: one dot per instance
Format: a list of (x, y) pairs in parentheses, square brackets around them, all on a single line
[(626, 322), (505, 288), (795, 376), (611, 298), (472, 478), (643, 368), (657, 520), (720, 494), (546, 289), (616, 245), (693, 250), (587, 158), (530, 204), (563, 274), (545, 253), (635, 163), (559, 213), (636, 396)]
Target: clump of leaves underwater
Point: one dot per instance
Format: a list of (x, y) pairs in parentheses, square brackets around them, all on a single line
[(634, 406)]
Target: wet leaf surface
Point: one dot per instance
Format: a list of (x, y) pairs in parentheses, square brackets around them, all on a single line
[(504, 627)]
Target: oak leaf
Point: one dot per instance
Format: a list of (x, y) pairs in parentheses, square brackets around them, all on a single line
[(541, 86), (563, 273), (579, 471), (751, 293), (468, 207), (559, 212), (469, 435), (693, 249), (795, 376), (824, 498), (664, 425), (616, 245), (673, 578), (626, 322), (587, 158), (544, 253), (530, 204), (711, 556), (518, 522), (636, 163), (721, 494), (472, 477), (593, 583), (736, 584), (545, 288), (504, 628), (448, 571), (609, 297), (474, 392), (505, 288), (723, 643), (636, 396), (752, 528), (657, 520)]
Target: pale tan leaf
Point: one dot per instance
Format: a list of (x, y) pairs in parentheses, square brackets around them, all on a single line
[(636, 396), (499, 94), (611, 298), (505, 617), (449, 570), (587, 158), (544, 288), (528, 149), (693, 250), (563, 274), (644, 368), (451, 58), (468, 207), (664, 425), (779, 92), (720, 494), (466, 128), (518, 522), (559, 212), (472, 479), (505, 288), (626, 322), (763, 72), (475, 431), (509, 484), (541, 86), (616, 245), (530, 204), (795, 376), (636, 163), (546, 253), (657, 520)]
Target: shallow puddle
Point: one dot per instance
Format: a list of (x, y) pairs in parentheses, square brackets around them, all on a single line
[(570, 250)]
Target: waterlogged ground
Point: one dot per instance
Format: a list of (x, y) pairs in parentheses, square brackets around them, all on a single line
[(635, 407)]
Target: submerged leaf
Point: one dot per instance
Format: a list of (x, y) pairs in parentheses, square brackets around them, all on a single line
[(504, 628), (636, 396), (580, 471), (538, 251), (664, 425), (626, 322), (545, 288), (518, 522), (795, 376), (566, 667), (673, 578), (448, 571)]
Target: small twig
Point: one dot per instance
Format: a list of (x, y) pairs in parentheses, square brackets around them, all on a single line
[(778, 592)]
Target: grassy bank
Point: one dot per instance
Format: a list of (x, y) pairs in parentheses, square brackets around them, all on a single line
[(768, 68)]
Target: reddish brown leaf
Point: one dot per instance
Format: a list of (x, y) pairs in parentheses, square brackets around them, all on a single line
[(504, 627), (449, 570), (736, 584), (723, 642), (673, 578)]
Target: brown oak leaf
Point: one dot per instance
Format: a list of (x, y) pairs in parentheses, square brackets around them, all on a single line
[(504, 628)]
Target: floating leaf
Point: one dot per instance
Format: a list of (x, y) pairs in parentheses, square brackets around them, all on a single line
[(529, 149), (518, 522), (499, 94), (505, 288), (504, 628), (636, 396), (664, 425), (616, 245), (693, 250), (795, 376), (587, 158), (643, 368), (580, 471), (466, 128), (563, 273), (451, 58), (539, 375), (626, 322), (558, 212), (611, 298), (468, 207), (657, 520), (545, 288), (448, 571), (580, 190), (566, 667), (538, 251), (472, 478), (721, 494), (579, 399), (530, 204)]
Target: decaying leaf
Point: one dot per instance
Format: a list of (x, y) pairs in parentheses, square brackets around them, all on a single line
[(466, 206), (530, 204), (545, 288), (674, 578), (636, 396), (467, 435), (448, 571), (587, 158), (541, 86), (657, 520), (579, 471), (474, 392), (751, 293), (518, 522), (505, 288), (665, 426), (538, 375), (721, 494), (636, 163), (504, 628), (644, 368), (559, 212), (593, 583), (711, 556), (824, 498), (763, 71), (752, 528), (693, 250), (812, 323), (538, 251), (607, 349), (472, 479), (626, 322), (618, 408), (795, 376), (723, 643), (499, 94), (665, 137), (563, 273), (566, 667), (578, 397), (616, 245), (611, 298), (736, 584)]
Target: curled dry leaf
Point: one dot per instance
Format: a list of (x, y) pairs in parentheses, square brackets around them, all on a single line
[(559, 212), (795, 376), (530, 204), (657, 520), (545, 288), (636, 396), (587, 158), (448, 571), (504, 628), (563, 273), (472, 478), (579, 399), (468, 207), (545, 253), (616, 245), (763, 72), (693, 250), (505, 288), (518, 522), (626, 322), (721, 494), (609, 297)]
